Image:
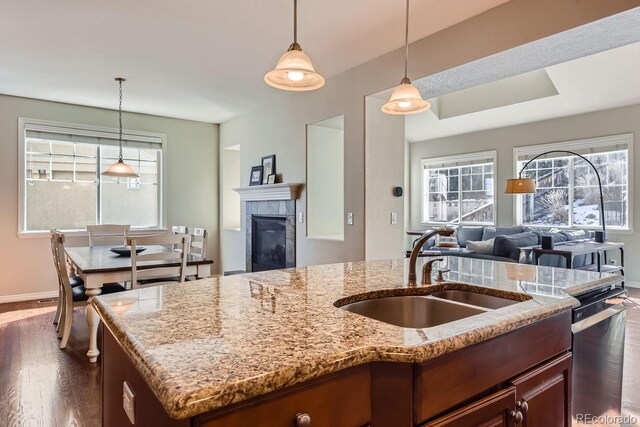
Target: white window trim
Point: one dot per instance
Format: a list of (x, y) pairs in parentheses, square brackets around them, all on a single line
[(92, 131), (577, 145), (482, 155)]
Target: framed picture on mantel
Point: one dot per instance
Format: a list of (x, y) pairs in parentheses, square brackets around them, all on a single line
[(268, 167), (256, 176)]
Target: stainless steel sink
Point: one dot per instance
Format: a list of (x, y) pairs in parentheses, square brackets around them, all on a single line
[(413, 311), (473, 298)]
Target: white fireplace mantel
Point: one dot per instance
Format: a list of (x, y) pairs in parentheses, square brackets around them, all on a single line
[(283, 191)]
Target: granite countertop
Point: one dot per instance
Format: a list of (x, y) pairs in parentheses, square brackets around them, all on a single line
[(206, 344)]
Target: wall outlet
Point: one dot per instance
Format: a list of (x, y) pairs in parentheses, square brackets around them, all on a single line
[(394, 218), (129, 402), (300, 217), (350, 218)]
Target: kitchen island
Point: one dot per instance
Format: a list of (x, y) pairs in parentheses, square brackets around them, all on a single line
[(274, 348)]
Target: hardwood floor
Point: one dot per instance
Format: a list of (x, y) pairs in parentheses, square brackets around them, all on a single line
[(41, 385)]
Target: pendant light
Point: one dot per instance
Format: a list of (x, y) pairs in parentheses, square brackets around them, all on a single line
[(405, 98), (120, 169), (294, 70)]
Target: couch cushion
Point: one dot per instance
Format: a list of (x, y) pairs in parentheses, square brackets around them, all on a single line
[(508, 246), (466, 233), (481, 246), (558, 237), (576, 234), (491, 232)]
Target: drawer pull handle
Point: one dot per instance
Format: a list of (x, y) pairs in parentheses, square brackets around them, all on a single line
[(523, 406), (303, 420), (517, 416)]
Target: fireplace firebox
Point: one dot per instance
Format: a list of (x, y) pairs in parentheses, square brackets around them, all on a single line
[(269, 243)]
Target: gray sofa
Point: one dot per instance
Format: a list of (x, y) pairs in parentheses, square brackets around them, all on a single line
[(508, 242)]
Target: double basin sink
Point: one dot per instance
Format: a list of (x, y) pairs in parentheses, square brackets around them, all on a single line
[(424, 311)]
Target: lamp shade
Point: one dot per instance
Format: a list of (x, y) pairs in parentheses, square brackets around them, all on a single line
[(520, 186), (120, 169), (405, 99), (294, 72)]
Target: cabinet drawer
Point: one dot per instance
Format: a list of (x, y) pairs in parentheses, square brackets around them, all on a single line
[(341, 400), (494, 410), (447, 381)]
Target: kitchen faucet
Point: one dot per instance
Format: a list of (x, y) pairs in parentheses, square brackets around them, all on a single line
[(413, 259)]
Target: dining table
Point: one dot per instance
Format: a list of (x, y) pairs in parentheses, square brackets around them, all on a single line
[(97, 265)]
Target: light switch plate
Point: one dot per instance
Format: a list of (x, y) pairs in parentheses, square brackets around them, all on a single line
[(129, 402), (394, 218), (300, 217), (350, 218)]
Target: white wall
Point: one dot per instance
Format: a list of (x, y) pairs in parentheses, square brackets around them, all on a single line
[(325, 182), (191, 185), (279, 128), (504, 140)]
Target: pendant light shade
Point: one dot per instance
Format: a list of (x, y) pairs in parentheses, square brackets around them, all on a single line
[(120, 169), (520, 186), (406, 98), (294, 70)]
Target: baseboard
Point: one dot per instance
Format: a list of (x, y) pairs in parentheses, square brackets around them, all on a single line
[(630, 284), (28, 297)]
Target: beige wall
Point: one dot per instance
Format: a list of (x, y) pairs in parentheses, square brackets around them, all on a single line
[(504, 140), (191, 185), (325, 182), (279, 128), (384, 146)]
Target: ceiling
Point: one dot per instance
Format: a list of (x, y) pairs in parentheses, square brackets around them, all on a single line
[(599, 81), (195, 59)]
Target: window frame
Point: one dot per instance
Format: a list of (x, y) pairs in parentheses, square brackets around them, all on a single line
[(459, 158), (25, 124), (579, 145)]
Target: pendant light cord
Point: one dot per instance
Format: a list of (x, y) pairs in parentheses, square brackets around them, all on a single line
[(120, 119), (406, 44), (295, 21)]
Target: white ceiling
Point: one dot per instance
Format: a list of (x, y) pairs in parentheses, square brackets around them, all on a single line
[(195, 59), (602, 81)]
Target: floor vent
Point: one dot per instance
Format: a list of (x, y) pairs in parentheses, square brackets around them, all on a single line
[(43, 301)]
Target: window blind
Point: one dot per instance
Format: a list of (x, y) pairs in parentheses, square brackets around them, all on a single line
[(85, 136)]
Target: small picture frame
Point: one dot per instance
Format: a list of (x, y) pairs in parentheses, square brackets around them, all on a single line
[(271, 179), (268, 167), (256, 176)]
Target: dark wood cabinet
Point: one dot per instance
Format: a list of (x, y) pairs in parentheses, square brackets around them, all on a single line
[(543, 395), (538, 398), (496, 410), (521, 378)]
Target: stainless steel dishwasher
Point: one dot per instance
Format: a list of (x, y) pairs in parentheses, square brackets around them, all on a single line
[(598, 352)]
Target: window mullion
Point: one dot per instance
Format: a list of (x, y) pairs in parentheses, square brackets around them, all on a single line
[(98, 186), (571, 189)]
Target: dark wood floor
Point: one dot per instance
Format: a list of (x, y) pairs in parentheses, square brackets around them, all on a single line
[(41, 385)]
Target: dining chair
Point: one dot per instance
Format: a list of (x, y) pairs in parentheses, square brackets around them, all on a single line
[(198, 245), (179, 229), (151, 268), (107, 234), (71, 295), (73, 280)]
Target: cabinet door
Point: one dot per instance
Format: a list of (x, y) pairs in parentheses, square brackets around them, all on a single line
[(543, 395), (492, 411)]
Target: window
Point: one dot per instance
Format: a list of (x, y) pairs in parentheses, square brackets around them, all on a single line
[(459, 189), (62, 186), (567, 188)]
